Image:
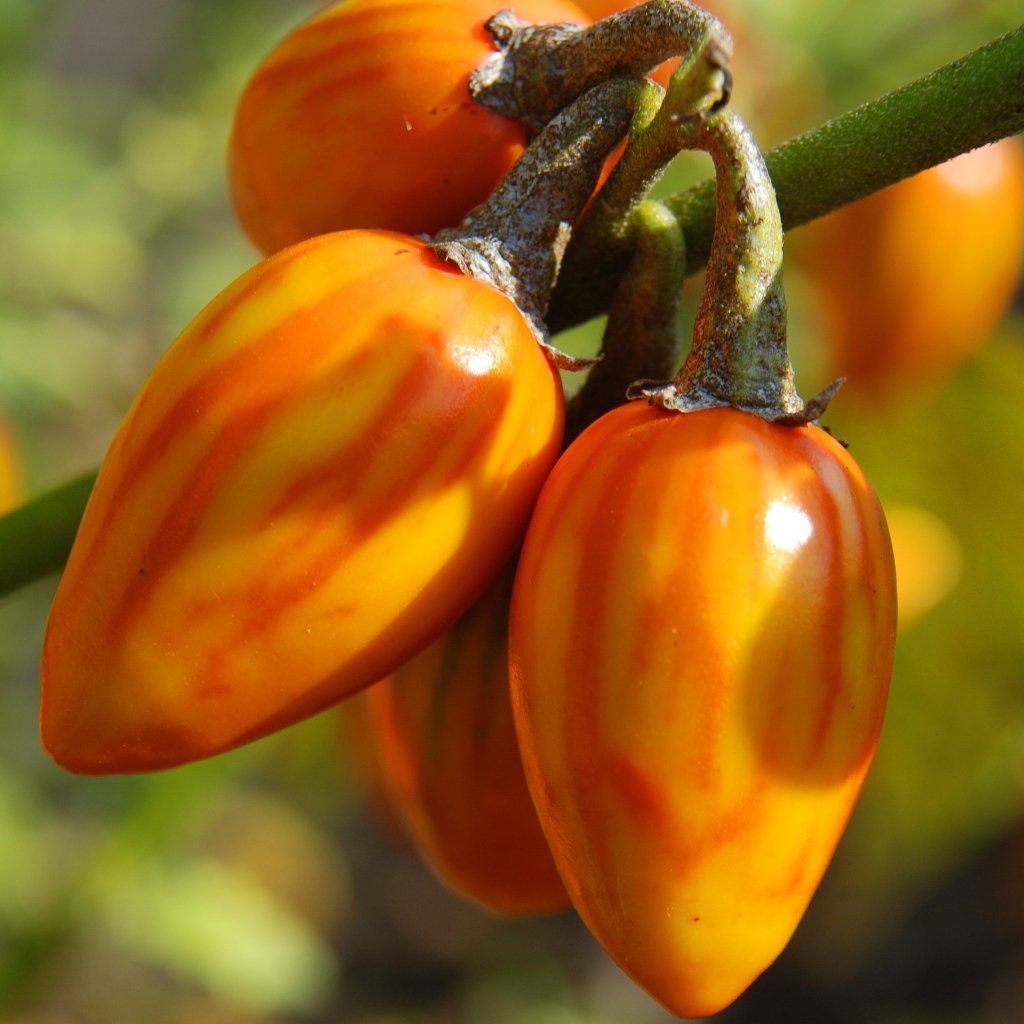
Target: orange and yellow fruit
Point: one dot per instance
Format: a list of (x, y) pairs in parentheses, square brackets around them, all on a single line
[(314, 483), (443, 729), (701, 642), (362, 118)]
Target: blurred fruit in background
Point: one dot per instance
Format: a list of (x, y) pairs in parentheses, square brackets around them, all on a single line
[(444, 731), (928, 560), (915, 278), (11, 479)]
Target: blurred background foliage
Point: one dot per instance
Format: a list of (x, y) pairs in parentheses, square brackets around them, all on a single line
[(261, 886)]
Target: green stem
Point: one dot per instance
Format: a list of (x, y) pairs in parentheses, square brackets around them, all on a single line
[(966, 104), (739, 356), (642, 336), (662, 126), (969, 103), (739, 353)]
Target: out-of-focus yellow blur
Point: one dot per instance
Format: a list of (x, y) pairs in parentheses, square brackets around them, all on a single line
[(928, 560)]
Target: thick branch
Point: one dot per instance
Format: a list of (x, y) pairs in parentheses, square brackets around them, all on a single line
[(969, 103), (973, 101)]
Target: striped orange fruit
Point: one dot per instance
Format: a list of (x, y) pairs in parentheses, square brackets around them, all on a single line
[(940, 255), (701, 641), (443, 729), (322, 473), (362, 117)]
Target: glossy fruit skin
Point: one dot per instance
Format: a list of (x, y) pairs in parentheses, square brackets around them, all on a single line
[(361, 118), (443, 728), (11, 478), (915, 278), (701, 642), (322, 473)]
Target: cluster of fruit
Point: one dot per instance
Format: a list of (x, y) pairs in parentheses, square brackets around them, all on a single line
[(661, 711)]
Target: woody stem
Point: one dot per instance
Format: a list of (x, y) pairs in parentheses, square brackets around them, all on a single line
[(968, 103), (539, 69), (515, 240)]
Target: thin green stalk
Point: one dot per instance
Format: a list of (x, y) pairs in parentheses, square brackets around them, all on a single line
[(643, 333), (973, 101)]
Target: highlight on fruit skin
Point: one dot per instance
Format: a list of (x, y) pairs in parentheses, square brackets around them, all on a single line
[(362, 118), (915, 278), (12, 481), (321, 474), (442, 726), (701, 642)]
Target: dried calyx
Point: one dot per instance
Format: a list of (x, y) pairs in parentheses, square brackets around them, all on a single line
[(739, 356), (515, 240), (539, 69)]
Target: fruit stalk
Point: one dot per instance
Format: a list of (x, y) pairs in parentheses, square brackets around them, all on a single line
[(700, 86), (739, 356), (642, 336)]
